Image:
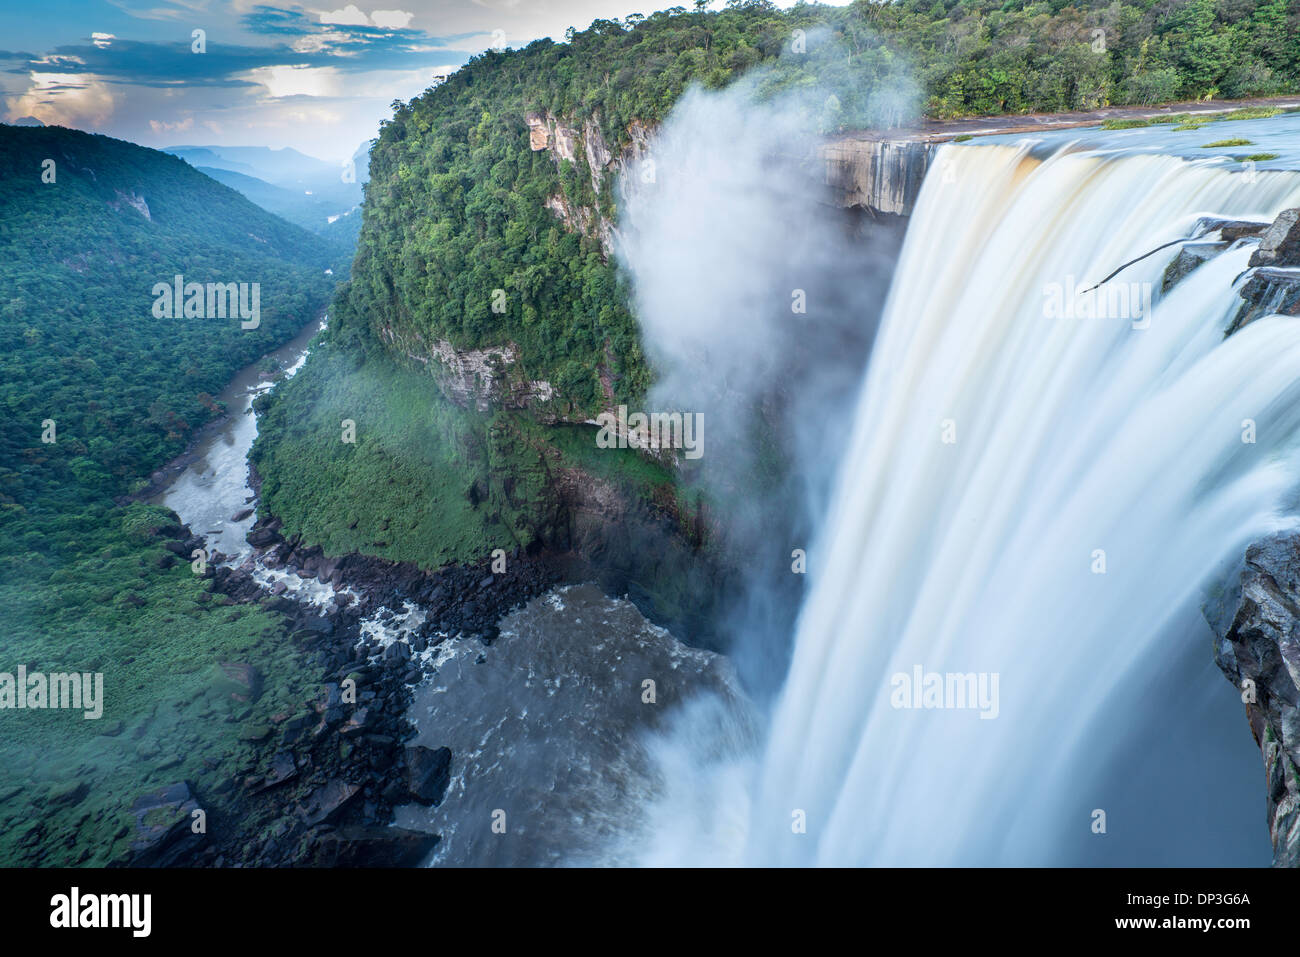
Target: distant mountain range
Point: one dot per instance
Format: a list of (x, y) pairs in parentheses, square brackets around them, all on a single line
[(305, 190)]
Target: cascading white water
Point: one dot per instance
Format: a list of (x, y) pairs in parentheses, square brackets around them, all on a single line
[(1023, 496)]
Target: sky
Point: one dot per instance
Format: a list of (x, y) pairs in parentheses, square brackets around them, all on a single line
[(315, 76)]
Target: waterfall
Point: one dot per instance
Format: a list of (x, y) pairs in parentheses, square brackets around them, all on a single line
[(1025, 495), (1035, 482)]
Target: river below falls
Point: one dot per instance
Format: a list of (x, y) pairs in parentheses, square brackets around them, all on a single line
[(212, 485)]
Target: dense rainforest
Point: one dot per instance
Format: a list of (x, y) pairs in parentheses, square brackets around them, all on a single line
[(81, 255), (98, 392)]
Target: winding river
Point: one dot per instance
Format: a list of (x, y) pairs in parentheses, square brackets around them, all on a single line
[(210, 482)]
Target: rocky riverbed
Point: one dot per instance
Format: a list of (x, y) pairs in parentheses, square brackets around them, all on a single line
[(552, 724), (317, 783), (331, 774)]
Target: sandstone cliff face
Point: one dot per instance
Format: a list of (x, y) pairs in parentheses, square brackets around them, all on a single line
[(482, 378), (883, 176), (491, 378), (566, 140), (878, 175), (582, 219)]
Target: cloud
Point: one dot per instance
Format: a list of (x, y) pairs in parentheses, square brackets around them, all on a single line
[(54, 63), (173, 10), (391, 19), (162, 126), (263, 56), (64, 99), (282, 81), (353, 16), (348, 16), (272, 74), (300, 115), (173, 64)]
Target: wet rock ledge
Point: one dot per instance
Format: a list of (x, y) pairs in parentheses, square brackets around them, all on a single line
[(1258, 648), (1273, 276), (1257, 620)]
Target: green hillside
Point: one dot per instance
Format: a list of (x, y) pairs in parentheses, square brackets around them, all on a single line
[(84, 578)]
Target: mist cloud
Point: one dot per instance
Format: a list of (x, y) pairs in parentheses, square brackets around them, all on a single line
[(758, 297)]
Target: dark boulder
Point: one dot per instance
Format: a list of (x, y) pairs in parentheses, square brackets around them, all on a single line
[(428, 772), (1273, 286), (372, 847), (328, 802), (284, 768), (262, 537), (321, 624), (1279, 244), (164, 827), (362, 720), (1188, 259)]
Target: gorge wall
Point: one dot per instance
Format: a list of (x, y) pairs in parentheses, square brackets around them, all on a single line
[(875, 175), (866, 170)]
